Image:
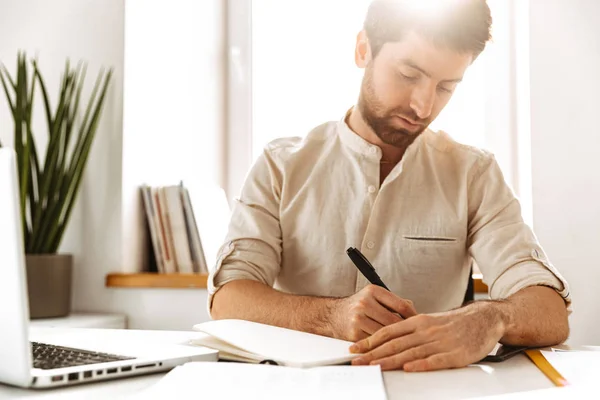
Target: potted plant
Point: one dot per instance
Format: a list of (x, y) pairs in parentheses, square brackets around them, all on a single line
[(49, 178)]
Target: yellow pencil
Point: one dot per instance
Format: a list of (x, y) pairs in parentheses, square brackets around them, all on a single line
[(540, 361)]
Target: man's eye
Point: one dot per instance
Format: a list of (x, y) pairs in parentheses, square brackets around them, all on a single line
[(445, 90), (409, 77)]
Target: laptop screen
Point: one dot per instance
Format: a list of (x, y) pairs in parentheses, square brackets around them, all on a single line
[(15, 354)]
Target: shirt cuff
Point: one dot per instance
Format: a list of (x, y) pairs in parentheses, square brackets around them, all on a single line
[(235, 270), (531, 273)]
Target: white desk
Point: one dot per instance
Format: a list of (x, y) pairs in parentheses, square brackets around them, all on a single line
[(514, 375)]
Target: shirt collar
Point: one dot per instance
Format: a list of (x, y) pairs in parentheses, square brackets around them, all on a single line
[(370, 151)]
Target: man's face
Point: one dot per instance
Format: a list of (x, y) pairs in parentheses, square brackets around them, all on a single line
[(407, 85)]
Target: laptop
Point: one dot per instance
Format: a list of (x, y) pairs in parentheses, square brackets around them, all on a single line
[(44, 365)]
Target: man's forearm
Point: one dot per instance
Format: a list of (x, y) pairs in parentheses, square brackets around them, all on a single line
[(255, 301), (534, 316)]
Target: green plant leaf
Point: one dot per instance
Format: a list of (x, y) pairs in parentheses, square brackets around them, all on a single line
[(48, 192), (33, 188), (89, 134), (45, 97), (63, 133), (21, 142), (10, 79), (40, 205), (49, 175), (20, 95), (55, 212), (84, 123), (25, 171), (79, 78), (34, 171), (18, 117), (4, 71)]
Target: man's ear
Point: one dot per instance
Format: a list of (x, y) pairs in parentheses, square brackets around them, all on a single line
[(362, 52)]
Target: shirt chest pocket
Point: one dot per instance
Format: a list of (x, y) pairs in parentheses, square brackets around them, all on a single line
[(424, 254)]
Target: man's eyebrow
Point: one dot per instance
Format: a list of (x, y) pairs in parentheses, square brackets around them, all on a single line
[(412, 64)]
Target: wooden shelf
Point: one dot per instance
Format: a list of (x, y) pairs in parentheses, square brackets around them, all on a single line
[(154, 280), (478, 285), (196, 281)]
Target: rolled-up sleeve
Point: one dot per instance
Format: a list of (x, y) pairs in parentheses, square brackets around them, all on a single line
[(501, 243), (252, 248)]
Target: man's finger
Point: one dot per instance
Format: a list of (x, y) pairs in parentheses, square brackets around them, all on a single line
[(368, 326), (383, 335), (397, 361), (433, 363), (381, 314), (394, 346), (405, 308)]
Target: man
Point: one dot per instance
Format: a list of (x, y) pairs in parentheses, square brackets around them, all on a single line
[(420, 207)]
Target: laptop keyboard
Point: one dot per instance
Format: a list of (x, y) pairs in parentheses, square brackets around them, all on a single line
[(46, 356)]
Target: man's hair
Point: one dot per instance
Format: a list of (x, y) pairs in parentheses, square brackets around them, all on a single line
[(461, 25)]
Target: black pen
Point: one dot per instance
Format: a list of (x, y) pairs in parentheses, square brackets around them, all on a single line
[(365, 267)]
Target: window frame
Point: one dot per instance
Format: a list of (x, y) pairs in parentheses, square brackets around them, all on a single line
[(238, 145)]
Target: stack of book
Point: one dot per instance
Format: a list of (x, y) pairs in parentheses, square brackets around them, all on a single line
[(173, 230)]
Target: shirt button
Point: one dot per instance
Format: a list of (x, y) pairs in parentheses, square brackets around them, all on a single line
[(373, 150), (370, 245), (372, 189)]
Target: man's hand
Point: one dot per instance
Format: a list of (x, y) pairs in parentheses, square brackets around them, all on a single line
[(366, 312), (435, 341)]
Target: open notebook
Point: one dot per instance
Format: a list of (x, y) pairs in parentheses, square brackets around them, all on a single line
[(239, 340)]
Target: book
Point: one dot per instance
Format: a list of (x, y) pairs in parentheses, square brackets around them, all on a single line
[(196, 249), (174, 230), (153, 228), (246, 341), (169, 261), (177, 229)]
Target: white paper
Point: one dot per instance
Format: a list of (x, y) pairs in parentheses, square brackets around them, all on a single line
[(495, 349), (228, 380), (555, 393), (577, 367)]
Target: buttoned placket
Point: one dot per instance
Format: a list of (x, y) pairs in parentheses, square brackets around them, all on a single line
[(370, 160), (369, 245)]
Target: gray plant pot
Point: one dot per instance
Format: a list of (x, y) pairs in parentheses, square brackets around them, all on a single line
[(49, 284)]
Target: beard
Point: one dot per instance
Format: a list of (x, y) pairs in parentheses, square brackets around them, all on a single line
[(381, 120)]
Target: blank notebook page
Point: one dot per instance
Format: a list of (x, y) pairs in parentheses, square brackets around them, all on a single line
[(292, 348), (228, 380)]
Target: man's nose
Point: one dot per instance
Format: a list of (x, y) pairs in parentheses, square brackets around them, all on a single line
[(422, 101)]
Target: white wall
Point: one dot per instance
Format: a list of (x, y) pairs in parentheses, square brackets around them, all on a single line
[(565, 142), (94, 30)]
